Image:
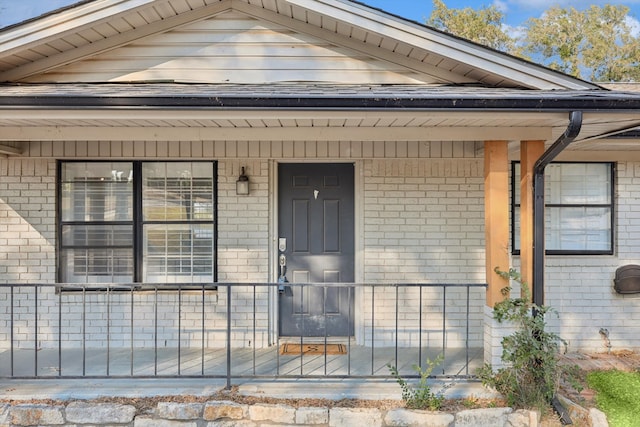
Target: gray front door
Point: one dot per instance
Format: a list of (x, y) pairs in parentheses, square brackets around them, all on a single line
[(316, 221)]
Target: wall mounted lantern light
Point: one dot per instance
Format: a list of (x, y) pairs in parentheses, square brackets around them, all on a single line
[(242, 184)]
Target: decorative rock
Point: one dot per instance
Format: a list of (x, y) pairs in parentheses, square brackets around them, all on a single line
[(179, 411), (219, 410), (155, 422), (275, 413), (491, 417), (598, 418), (414, 418), (522, 418), (4, 415), (349, 417), (311, 415), (33, 415), (99, 413), (577, 413), (243, 423), (231, 414)]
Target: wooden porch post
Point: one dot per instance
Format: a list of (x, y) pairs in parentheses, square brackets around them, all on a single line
[(530, 152), (496, 211)]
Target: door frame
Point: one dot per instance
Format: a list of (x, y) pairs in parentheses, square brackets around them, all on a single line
[(273, 239)]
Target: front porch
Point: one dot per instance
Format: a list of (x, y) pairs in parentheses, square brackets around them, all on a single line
[(246, 363), (155, 332)]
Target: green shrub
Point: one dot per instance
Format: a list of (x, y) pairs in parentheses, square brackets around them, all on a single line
[(420, 396), (532, 372)]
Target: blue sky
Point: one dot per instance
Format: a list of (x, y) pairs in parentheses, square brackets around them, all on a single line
[(516, 11)]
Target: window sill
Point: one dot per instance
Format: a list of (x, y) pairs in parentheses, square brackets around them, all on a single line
[(137, 288)]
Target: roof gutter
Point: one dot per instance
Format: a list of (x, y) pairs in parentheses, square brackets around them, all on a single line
[(549, 103), (569, 135)]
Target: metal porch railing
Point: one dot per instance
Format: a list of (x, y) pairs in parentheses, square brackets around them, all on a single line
[(230, 331)]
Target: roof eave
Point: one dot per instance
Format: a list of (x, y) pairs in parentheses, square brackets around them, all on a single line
[(475, 53), (511, 103)]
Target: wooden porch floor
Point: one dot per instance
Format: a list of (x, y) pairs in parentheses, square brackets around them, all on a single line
[(359, 361)]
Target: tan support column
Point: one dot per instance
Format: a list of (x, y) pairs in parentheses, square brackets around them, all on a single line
[(496, 211), (530, 152)]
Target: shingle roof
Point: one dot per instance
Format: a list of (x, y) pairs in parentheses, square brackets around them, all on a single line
[(308, 96), (622, 86)]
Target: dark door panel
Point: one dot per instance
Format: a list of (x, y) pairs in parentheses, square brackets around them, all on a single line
[(316, 217)]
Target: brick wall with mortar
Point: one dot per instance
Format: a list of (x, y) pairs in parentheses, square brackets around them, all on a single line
[(424, 223), (428, 210), (243, 257), (27, 255), (580, 288)]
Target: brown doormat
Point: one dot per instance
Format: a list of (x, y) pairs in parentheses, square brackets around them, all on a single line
[(313, 349)]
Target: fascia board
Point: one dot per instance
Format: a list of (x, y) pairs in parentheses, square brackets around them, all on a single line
[(443, 44), (112, 42), (49, 27)]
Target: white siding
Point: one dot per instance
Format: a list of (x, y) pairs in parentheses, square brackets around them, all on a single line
[(231, 48)]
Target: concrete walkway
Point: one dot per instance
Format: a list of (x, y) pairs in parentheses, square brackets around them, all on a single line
[(71, 389)]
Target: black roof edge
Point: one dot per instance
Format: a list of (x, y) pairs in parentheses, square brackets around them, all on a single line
[(631, 134), (44, 15), (528, 103)]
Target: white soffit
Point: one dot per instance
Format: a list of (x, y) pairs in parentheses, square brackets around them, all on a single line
[(246, 125)]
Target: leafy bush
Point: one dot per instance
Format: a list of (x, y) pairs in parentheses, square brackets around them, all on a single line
[(532, 371), (420, 396)]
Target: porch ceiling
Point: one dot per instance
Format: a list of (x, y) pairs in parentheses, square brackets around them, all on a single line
[(278, 125), (18, 126), (305, 112)]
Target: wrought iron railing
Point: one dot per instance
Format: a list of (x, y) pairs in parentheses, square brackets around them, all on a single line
[(231, 330)]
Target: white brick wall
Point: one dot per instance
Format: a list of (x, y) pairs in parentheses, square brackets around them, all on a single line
[(27, 255), (27, 220), (243, 223), (427, 225), (423, 222), (580, 288), (440, 314), (417, 214)]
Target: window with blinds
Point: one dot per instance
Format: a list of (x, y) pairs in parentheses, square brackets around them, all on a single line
[(579, 208), (126, 222)]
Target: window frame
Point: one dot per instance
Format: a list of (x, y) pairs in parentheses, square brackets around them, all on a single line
[(138, 222), (611, 205)]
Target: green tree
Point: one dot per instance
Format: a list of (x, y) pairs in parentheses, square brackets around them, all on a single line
[(557, 37), (595, 43), (484, 26), (613, 54)]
